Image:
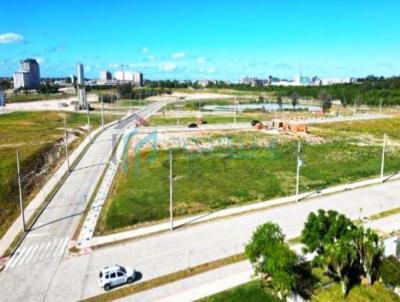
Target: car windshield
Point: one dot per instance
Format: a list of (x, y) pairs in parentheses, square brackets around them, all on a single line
[(122, 269)]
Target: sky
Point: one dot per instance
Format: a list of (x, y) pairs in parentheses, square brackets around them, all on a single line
[(203, 39)]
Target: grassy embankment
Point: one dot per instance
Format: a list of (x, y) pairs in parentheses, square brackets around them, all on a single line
[(31, 97), (37, 135), (254, 292), (204, 181)]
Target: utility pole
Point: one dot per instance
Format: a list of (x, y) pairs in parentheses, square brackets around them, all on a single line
[(177, 115), (66, 142), (235, 118), (102, 112), (171, 202), (380, 107), (383, 156), (299, 164), (88, 122), (21, 204)]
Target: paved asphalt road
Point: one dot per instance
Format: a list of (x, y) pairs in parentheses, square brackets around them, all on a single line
[(28, 275), (75, 278)]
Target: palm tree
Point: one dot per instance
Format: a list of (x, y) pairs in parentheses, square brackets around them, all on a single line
[(339, 257)]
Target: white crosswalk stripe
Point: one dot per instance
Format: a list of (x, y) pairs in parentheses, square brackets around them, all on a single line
[(26, 260), (38, 252), (26, 253)]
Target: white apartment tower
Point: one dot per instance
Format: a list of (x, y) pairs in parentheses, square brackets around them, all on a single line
[(28, 76)]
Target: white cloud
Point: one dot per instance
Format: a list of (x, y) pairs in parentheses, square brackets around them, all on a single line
[(211, 70), (179, 55), (145, 49), (114, 66), (8, 38), (200, 60), (168, 67), (40, 60), (151, 57)]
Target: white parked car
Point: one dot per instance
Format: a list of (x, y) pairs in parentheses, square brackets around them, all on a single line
[(115, 275)]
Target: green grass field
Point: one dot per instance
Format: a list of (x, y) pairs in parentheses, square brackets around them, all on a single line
[(254, 292), (375, 293), (249, 292), (31, 97), (34, 134), (205, 181)]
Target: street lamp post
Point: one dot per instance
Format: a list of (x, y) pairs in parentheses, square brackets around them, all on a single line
[(66, 142), (21, 204), (299, 164), (171, 202), (383, 156)]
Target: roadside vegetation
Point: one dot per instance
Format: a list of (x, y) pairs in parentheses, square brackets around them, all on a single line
[(260, 166), (348, 264), (39, 137)]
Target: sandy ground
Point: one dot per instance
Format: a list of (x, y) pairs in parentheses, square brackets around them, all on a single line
[(60, 104)]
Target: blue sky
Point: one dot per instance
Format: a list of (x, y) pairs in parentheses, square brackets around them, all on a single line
[(206, 39)]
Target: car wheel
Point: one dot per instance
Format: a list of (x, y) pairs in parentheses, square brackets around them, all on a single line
[(130, 280), (107, 287)]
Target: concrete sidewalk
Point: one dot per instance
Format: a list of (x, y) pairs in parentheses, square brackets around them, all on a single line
[(203, 218)]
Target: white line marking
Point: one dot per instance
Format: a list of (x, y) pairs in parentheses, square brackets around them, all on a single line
[(64, 246), (37, 235), (44, 250), (27, 252), (53, 247), (59, 245), (26, 260), (16, 258)]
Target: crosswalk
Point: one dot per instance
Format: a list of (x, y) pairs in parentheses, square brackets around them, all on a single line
[(38, 252)]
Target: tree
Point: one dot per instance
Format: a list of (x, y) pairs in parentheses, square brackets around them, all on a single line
[(272, 257), (339, 258), (324, 228), (369, 248), (389, 272), (295, 99), (279, 101), (326, 101)]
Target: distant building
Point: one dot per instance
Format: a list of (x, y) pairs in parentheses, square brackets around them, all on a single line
[(80, 74), (2, 99), (253, 81), (105, 76), (28, 76), (73, 79), (125, 76), (138, 78), (81, 86)]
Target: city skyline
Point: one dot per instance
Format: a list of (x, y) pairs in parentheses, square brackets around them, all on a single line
[(227, 40)]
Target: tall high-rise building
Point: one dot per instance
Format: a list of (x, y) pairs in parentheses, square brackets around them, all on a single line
[(138, 78), (80, 74), (81, 86), (105, 76), (28, 76)]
